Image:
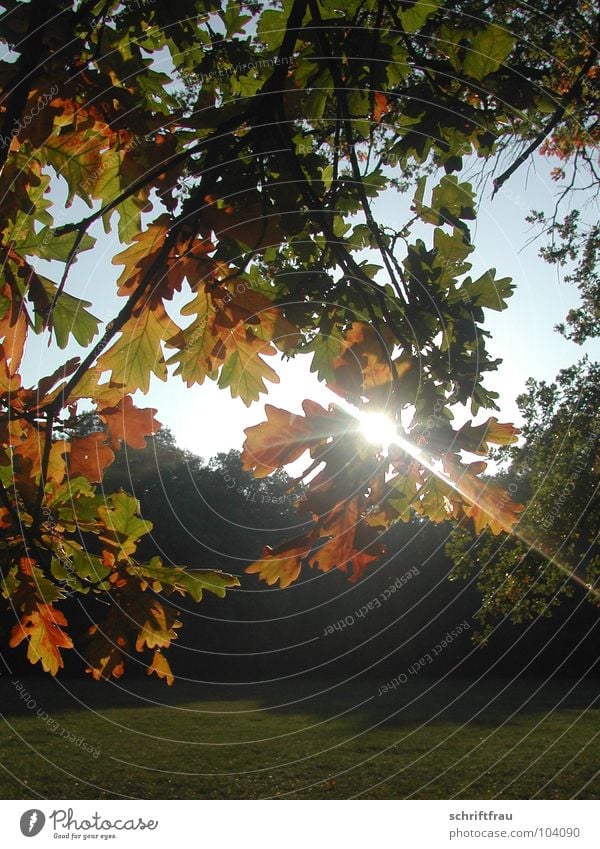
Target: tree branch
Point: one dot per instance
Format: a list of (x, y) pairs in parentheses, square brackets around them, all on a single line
[(19, 86), (555, 119)]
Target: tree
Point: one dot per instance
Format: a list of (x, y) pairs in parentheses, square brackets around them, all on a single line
[(572, 240), (557, 472), (256, 160)]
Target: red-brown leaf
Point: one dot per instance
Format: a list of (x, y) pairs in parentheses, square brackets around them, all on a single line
[(129, 424), (90, 456)]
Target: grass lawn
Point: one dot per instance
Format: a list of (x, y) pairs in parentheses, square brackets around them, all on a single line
[(319, 739)]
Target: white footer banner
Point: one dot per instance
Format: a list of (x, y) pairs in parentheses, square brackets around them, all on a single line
[(273, 824)]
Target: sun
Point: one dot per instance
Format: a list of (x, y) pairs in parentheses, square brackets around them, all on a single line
[(377, 428)]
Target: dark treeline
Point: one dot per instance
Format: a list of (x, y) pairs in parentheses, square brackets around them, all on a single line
[(394, 622)]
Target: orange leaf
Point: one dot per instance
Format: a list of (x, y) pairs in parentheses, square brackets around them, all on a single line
[(139, 256), (340, 525), (281, 439), (487, 504), (283, 562), (363, 365), (129, 424), (156, 621), (254, 308), (160, 665), (105, 654), (41, 627), (476, 439), (381, 106), (10, 381), (13, 329), (353, 544), (90, 455)]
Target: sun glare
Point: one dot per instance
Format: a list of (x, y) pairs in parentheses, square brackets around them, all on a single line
[(378, 429)]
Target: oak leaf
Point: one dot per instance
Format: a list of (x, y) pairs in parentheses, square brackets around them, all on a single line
[(476, 439), (90, 456), (129, 424), (138, 352), (281, 439), (283, 562), (41, 626), (160, 666), (244, 371)]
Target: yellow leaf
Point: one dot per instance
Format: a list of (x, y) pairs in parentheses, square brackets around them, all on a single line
[(244, 370), (138, 352), (160, 665), (41, 627)]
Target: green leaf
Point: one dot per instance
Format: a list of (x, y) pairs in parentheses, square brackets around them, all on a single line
[(435, 499), (486, 291), (412, 19), (315, 103), (196, 342), (453, 200), (325, 347), (246, 85), (70, 317), (138, 352), (191, 581), (234, 20), (76, 157), (48, 245), (489, 48), (452, 248), (402, 495), (110, 185), (120, 516), (244, 370), (74, 566), (272, 26)]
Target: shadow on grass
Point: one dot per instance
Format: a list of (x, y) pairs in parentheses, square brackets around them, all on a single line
[(485, 702)]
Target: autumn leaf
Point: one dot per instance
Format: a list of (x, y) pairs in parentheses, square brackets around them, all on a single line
[(437, 500), (339, 526), (489, 505), (282, 438), (265, 317), (123, 524), (140, 255), (45, 392), (283, 562), (42, 627), (9, 381), (156, 621), (105, 394), (476, 439), (364, 363), (107, 643), (129, 424), (90, 456), (160, 666), (57, 466), (77, 157), (138, 352), (381, 106), (13, 333), (244, 371)]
